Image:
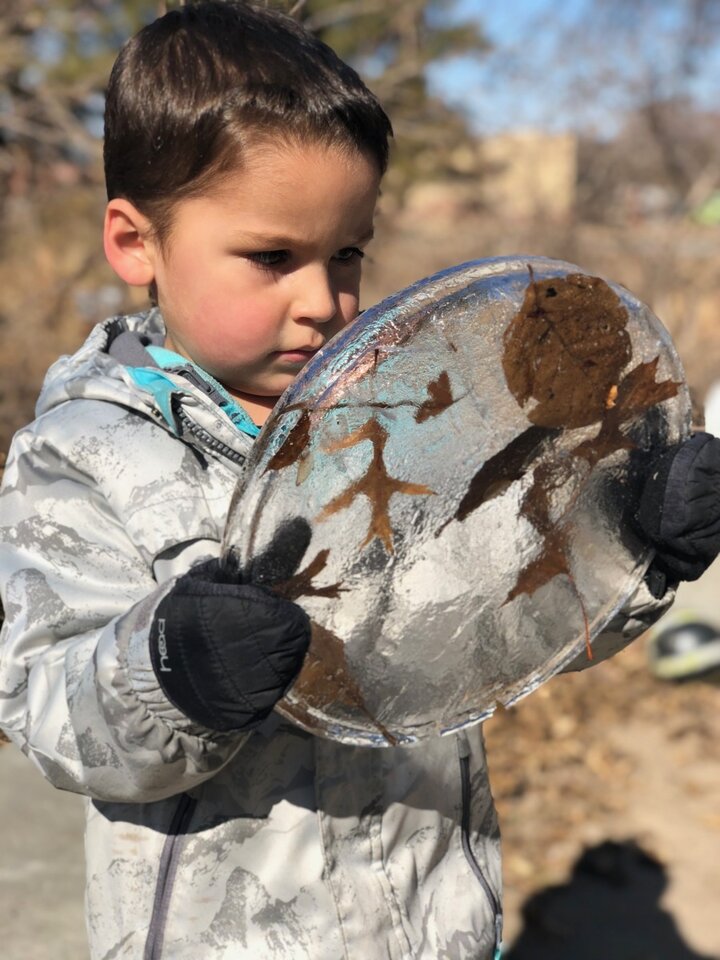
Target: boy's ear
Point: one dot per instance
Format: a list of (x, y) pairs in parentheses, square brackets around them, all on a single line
[(129, 247)]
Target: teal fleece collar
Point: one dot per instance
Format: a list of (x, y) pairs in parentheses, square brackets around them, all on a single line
[(168, 360), (162, 387)]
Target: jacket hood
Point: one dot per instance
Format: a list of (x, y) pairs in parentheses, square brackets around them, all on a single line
[(114, 366), (93, 373)]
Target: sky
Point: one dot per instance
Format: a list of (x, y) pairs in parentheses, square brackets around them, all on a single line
[(494, 100), (523, 82)]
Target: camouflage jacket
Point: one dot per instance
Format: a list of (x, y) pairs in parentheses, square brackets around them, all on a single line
[(274, 844)]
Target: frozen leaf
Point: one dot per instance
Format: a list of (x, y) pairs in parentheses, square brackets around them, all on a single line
[(301, 584), (565, 349), (325, 681), (637, 393), (294, 446), (439, 398), (639, 390), (504, 468), (377, 485)]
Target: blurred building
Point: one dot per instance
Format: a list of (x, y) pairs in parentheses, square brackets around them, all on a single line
[(519, 176), (530, 174)]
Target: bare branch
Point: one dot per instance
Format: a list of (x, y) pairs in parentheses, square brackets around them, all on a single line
[(59, 134), (344, 12), (298, 8)]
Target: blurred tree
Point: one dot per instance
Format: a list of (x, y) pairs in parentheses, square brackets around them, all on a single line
[(672, 40), (54, 61), (391, 45), (636, 75), (662, 162), (55, 57)]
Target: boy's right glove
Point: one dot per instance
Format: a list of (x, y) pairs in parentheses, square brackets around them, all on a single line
[(679, 510), (224, 652)]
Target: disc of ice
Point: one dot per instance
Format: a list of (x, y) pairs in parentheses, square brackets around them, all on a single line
[(447, 491)]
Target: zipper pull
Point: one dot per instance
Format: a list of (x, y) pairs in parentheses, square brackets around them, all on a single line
[(463, 745)]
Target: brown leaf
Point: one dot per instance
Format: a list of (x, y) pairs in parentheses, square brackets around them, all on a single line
[(377, 485), (553, 557), (502, 469), (639, 391), (325, 680), (300, 585), (294, 446), (535, 507), (548, 564), (566, 349), (439, 398), (609, 440), (636, 394)]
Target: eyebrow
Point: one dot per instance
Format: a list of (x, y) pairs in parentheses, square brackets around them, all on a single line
[(280, 242)]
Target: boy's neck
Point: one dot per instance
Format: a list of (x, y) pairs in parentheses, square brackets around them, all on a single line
[(258, 408)]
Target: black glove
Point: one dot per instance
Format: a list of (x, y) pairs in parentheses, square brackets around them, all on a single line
[(679, 508), (224, 652)]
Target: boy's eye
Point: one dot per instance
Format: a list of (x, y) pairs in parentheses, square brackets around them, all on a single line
[(269, 258), (349, 253), (278, 258)]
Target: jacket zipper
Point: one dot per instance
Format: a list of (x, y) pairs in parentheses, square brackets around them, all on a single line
[(166, 877), (463, 745), (208, 439)]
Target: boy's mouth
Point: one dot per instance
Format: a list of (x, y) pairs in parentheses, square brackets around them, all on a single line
[(296, 356)]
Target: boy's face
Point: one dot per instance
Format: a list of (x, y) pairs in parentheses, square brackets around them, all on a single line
[(263, 270)]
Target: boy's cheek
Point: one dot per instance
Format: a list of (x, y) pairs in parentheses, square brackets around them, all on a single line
[(227, 319), (349, 307)]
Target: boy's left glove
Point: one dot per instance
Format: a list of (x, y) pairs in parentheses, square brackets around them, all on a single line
[(679, 508), (225, 651)]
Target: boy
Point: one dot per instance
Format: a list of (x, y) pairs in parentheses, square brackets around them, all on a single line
[(243, 162)]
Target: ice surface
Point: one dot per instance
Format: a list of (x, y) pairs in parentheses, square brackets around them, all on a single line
[(447, 487)]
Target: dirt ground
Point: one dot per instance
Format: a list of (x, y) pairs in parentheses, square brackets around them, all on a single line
[(608, 788)]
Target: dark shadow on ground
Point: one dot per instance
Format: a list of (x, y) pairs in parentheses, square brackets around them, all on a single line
[(608, 910)]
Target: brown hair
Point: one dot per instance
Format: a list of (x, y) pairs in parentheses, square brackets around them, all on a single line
[(191, 89)]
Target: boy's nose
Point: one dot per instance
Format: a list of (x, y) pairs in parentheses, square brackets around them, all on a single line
[(315, 297)]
